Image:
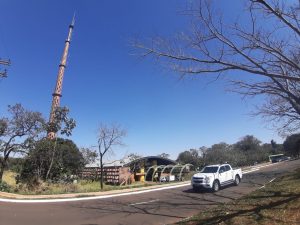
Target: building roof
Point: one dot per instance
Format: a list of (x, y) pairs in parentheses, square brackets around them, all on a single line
[(128, 162), (107, 164), (164, 161)]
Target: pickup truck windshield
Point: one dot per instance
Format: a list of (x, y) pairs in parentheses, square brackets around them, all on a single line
[(210, 169)]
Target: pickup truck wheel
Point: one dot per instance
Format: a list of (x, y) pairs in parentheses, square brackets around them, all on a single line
[(237, 180), (216, 186)]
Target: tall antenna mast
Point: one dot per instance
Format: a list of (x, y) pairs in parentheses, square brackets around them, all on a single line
[(58, 88)]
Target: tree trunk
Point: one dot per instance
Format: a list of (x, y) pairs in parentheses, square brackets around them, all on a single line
[(52, 159), (101, 170), (1, 174), (2, 168)]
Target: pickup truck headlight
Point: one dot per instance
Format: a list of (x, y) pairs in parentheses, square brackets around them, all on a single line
[(207, 179)]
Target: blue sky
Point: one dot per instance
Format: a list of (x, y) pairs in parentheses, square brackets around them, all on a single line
[(104, 83)]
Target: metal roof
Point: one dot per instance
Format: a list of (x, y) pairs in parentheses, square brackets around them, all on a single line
[(169, 161), (127, 162)]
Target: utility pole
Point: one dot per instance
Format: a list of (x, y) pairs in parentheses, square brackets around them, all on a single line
[(58, 88), (3, 74)]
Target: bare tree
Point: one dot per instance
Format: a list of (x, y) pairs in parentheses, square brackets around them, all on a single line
[(109, 136), (134, 156), (164, 155), (17, 132), (89, 155), (265, 49)]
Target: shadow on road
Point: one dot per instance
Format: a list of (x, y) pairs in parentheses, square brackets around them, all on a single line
[(174, 205), (253, 210)]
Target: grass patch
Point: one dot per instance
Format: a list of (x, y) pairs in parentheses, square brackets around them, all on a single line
[(80, 187), (277, 203), (83, 186)]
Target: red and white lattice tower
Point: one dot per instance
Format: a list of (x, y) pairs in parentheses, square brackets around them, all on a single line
[(58, 88)]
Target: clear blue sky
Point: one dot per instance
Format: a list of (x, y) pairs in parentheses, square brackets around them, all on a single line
[(105, 83)]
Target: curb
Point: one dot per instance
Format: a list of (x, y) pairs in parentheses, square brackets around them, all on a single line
[(10, 197)]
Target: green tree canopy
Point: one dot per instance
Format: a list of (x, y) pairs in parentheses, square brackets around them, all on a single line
[(19, 129), (68, 160), (291, 145), (248, 143), (247, 151), (191, 156)]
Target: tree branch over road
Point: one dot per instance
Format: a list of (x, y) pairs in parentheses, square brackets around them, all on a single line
[(265, 48)]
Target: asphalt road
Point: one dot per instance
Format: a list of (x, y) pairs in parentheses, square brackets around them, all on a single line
[(159, 207)]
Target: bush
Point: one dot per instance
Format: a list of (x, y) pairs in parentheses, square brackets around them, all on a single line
[(4, 187), (15, 164)]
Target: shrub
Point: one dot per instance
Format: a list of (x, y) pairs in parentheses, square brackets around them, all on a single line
[(4, 187)]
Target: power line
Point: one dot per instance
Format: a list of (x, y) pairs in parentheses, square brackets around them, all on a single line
[(3, 74)]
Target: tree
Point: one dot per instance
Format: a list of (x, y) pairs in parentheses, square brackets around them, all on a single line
[(164, 155), (291, 145), (15, 164), (248, 143), (68, 160), (265, 48), (133, 156), (89, 155), (217, 153), (64, 125), (61, 122), (189, 157), (17, 132), (108, 137), (274, 146), (251, 147), (133, 159)]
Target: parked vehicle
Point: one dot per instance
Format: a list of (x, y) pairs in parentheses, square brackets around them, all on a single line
[(215, 176), (278, 158), (167, 178)]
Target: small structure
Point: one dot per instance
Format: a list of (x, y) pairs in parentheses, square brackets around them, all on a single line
[(150, 168), (146, 168), (113, 174)]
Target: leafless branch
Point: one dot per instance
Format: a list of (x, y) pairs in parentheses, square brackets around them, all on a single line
[(266, 50)]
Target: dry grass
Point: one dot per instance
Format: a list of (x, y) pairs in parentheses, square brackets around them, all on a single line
[(80, 187), (54, 188), (277, 203), (9, 178)]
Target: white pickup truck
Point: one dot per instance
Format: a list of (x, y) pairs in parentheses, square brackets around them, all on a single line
[(214, 176)]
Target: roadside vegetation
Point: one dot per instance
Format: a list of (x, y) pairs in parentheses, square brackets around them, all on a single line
[(248, 151), (277, 203), (46, 188)]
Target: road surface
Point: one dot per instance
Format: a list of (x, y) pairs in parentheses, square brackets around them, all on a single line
[(159, 207)]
